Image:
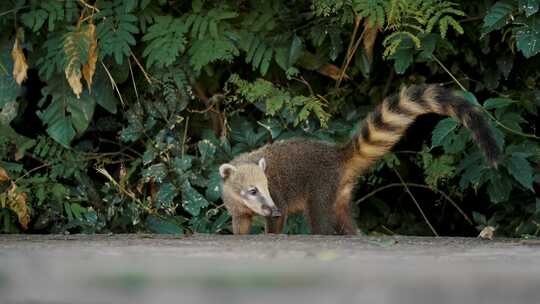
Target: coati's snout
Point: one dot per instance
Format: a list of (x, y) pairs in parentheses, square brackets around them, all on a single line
[(249, 185)]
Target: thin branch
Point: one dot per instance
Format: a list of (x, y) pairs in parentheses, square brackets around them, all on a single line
[(13, 10), (185, 135), (416, 203)]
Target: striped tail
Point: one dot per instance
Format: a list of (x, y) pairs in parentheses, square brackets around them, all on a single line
[(389, 121)]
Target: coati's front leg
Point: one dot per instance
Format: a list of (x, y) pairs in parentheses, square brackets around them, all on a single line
[(241, 223), (275, 224)]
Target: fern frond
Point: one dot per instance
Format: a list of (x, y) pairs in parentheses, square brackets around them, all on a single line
[(115, 32), (206, 51), (166, 41)]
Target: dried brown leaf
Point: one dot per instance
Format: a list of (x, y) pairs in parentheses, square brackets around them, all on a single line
[(3, 175), (487, 233), (20, 67), (89, 68), (17, 202), (331, 71)]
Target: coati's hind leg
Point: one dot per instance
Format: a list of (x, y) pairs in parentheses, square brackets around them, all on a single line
[(322, 216), (345, 224)]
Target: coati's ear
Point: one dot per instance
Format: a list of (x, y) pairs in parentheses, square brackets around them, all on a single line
[(226, 170), (262, 163)]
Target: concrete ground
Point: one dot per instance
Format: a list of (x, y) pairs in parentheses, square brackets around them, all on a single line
[(267, 269)]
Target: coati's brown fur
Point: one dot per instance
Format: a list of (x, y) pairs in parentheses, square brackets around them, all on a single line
[(318, 178)]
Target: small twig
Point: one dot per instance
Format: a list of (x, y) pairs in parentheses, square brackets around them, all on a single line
[(416, 203), (113, 83), (89, 6), (146, 75), (133, 81), (302, 80), (119, 145), (30, 171)]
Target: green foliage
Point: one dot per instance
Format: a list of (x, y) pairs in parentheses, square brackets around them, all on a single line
[(522, 16), (181, 87), (116, 29), (167, 41)]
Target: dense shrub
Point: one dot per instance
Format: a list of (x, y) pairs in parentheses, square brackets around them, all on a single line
[(115, 114)]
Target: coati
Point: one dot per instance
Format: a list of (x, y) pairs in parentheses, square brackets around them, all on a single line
[(317, 178)]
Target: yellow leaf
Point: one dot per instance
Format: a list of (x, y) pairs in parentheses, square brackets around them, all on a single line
[(73, 62), (20, 67), (89, 68), (3, 175), (73, 77), (17, 203)]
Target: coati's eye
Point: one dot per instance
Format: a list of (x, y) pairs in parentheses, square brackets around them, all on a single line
[(252, 191)]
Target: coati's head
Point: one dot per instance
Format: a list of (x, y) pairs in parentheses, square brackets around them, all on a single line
[(249, 185)]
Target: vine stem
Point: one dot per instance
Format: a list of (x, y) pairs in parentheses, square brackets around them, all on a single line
[(484, 110), (416, 203)]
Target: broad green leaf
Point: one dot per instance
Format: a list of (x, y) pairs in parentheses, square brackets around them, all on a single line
[(166, 193), (403, 58), (479, 218), (62, 131), (497, 15), (473, 168), (499, 187), (103, 91), (192, 200), (163, 226), (442, 130), (497, 103), (158, 172), (295, 50), (469, 96), (530, 7), (82, 111), (207, 150), (518, 166), (213, 188), (528, 36)]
